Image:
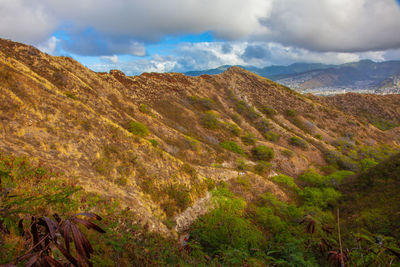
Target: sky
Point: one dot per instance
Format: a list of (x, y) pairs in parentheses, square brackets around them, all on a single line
[(138, 36)]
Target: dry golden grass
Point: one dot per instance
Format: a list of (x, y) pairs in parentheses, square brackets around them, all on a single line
[(76, 121)]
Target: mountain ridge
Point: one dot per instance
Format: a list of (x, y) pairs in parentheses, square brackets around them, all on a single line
[(378, 77), (83, 123)]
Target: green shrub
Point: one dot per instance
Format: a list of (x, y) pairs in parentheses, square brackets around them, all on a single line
[(320, 197), (268, 220), (180, 193), (210, 120), (328, 169), (367, 163), (70, 95), (246, 110), (233, 128), (341, 161), (138, 128), (153, 142), (205, 103), (291, 113), (383, 125), (262, 167), (344, 143), (263, 153), (249, 139), (210, 183), (297, 141), (244, 181), (307, 127), (262, 125), (232, 146), (224, 229), (271, 136), (241, 165), (237, 119), (312, 178), (288, 153), (193, 143), (268, 110), (286, 180), (376, 153), (318, 136), (377, 221), (144, 108), (337, 177)]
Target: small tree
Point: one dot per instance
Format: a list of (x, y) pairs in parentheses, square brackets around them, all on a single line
[(210, 120), (263, 153), (232, 146), (138, 128)]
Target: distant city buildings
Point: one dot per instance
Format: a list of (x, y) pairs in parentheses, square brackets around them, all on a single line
[(361, 87)]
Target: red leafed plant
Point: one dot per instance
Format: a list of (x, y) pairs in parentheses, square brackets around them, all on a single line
[(337, 258), (45, 235), (327, 229), (310, 228), (324, 245)]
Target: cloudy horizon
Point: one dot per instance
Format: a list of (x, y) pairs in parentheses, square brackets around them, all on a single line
[(179, 35)]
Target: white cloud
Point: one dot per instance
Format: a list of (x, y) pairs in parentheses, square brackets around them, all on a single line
[(208, 55), (113, 59), (137, 49), (125, 26), (49, 46)]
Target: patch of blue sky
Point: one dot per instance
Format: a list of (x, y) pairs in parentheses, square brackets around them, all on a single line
[(167, 46), (169, 43), (189, 38)]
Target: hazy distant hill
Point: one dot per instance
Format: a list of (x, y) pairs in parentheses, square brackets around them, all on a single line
[(379, 77), (272, 72)]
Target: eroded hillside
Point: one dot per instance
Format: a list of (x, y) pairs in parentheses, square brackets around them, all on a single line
[(159, 142), (382, 111)]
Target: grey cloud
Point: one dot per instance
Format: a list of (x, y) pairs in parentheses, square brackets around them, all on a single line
[(256, 52), (26, 21), (393, 54), (121, 26), (226, 48), (92, 43), (138, 19), (334, 25)]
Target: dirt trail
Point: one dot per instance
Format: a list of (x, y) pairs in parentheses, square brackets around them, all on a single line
[(205, 204)]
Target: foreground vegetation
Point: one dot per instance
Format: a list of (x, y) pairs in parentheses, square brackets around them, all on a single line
[(302, 232)]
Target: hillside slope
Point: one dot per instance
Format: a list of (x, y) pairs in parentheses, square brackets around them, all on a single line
[(373, 198), (201, 130), (379, 77), (381, 111)]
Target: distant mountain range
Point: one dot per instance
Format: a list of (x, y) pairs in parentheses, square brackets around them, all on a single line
[(362, 76)]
